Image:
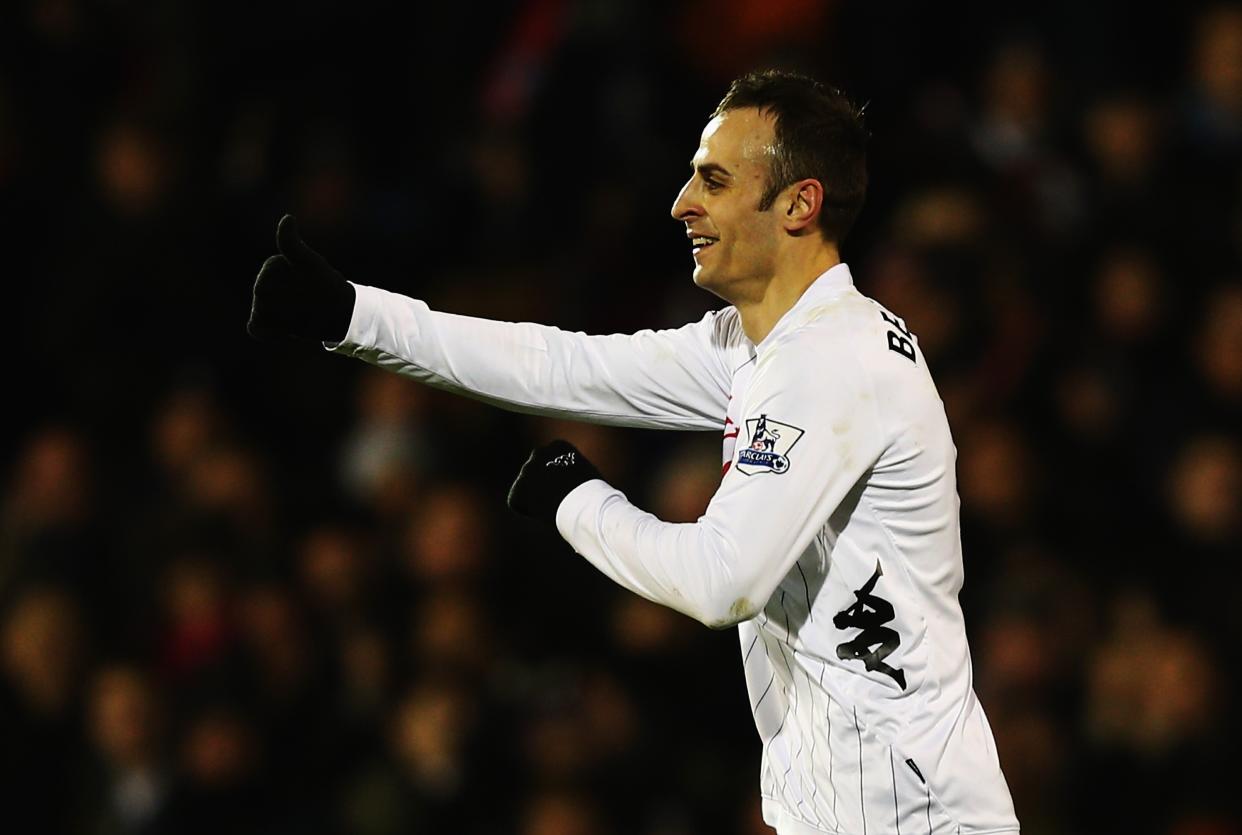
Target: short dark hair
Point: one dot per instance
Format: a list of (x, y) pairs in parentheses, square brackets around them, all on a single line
[(819, 135)]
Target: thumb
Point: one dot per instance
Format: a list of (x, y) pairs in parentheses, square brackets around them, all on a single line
[(291, 245)]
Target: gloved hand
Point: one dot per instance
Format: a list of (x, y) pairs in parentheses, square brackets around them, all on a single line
[(547, 477), (298, 295)]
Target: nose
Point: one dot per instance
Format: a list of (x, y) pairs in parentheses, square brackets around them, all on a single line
[(686, 207)]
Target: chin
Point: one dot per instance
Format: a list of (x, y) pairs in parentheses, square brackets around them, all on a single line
[(703, 280)]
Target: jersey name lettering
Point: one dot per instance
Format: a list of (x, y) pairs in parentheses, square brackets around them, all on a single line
[(901, 340)]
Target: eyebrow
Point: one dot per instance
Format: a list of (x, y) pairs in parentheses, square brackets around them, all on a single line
[(709, 168)]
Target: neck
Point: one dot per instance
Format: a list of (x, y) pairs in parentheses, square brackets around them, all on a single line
[(764, 308)]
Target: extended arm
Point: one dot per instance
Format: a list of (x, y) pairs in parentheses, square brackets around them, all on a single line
[(671, 379)]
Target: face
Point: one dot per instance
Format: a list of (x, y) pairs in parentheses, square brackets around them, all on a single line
[(733, 243)]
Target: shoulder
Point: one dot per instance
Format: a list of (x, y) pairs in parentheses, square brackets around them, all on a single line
[(725, 328), (850, 341), (860, 328), (841, 329), (723, 331)]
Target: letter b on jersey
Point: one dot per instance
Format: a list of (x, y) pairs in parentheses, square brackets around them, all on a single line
[(901, 339), (901, 345)]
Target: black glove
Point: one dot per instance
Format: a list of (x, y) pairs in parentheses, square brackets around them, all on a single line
[(547, 477), (298, 295)]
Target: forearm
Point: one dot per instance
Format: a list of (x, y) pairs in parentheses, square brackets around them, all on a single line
[(700, 569), (631, 380)]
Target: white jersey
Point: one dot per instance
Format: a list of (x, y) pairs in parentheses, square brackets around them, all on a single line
[(832, 541)]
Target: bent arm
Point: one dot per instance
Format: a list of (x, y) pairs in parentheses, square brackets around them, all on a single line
[(722, 569), (669, 379)]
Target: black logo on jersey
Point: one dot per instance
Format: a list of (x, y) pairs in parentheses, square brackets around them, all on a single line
[(876, 641), (901, 340)]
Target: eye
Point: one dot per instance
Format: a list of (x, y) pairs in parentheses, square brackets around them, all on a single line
[(712, 185)]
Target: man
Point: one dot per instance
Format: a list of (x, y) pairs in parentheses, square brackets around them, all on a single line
[(832, 541)]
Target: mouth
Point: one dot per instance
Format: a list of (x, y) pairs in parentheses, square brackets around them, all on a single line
[(700, 243)]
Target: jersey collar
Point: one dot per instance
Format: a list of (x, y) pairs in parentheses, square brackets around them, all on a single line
[(831, 283)]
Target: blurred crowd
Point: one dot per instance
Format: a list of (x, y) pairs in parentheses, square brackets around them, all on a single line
[(253, 588)]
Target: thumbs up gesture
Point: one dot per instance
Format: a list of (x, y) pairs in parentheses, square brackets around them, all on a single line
[(298, 295)]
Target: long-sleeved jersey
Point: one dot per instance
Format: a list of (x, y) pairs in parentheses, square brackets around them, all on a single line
[(832, 541)]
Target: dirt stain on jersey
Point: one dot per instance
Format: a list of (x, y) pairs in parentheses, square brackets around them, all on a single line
[(741, 610)]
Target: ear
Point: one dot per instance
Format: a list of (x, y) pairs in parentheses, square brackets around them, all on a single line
[(803, 201)]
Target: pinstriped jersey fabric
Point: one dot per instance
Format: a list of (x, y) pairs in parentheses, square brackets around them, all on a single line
[(822, 769)]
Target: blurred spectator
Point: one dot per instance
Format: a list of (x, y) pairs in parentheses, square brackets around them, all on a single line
[(1124, 138), (939, 217), (222, 774), (1129, 299), (431, 740), (335, 575), (445, 538), (126, 727), (451, 634), (227, 494), (386, 453), (41, 655), (685, 482), (368, 674), (641, 627), (562, 813), (1209, 138), (133, 169), (43, 651), (1215, 118), (198, 633), (1218, 355), (271, 630), (1153, 706), (47, 525), (1033, 745), (998, 478), (186, 426), (1205, 492), (745, 32), (1149, 687), (1016, 135)]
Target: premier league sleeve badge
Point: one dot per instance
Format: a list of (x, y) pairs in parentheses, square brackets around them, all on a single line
[(768, 447)]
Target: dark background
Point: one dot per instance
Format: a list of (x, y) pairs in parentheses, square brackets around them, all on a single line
[(247, 588)]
